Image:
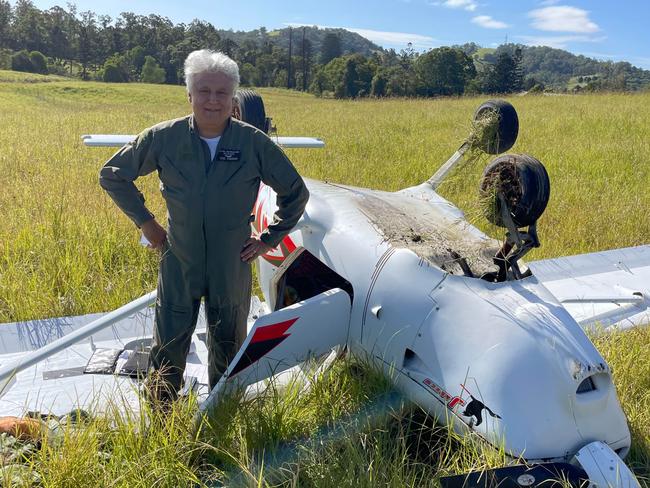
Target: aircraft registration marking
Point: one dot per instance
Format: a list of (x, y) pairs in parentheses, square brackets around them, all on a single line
[(449, 400)]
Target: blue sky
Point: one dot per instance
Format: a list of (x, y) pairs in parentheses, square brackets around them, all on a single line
[(616, 30)]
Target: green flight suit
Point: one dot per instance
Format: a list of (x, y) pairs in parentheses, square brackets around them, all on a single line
[(209, 205)]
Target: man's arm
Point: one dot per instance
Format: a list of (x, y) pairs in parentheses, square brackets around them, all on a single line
[(292, 194), (117, 176)]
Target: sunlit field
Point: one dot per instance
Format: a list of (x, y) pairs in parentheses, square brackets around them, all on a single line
[(65, 249)]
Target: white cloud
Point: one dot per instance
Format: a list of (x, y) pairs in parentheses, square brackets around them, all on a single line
[(563, 19), (397, 40), (559, 42), (488, 22), (546, 3), (469, 5)]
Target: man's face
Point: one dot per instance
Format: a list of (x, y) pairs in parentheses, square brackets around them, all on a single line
[(211, 96)]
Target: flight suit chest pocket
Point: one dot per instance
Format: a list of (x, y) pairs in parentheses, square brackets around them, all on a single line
[(173, 177), (240, 174)]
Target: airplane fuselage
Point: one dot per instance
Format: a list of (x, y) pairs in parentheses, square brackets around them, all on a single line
[(502, 359)]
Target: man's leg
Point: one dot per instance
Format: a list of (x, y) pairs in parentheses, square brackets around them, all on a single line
[(226, 333), (228, 301), (174, 323)]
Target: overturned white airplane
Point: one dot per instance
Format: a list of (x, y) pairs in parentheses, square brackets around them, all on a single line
[(461, 325)]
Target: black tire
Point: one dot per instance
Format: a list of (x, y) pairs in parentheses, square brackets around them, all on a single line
[(524, 183), (251, 109), (505, 135)]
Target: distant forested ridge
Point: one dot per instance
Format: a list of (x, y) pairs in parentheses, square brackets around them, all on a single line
[(559, 69), (351, 42), (328, 62)]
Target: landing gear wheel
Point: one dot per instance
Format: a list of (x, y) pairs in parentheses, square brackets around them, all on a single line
[(249, 108), (524, 184), (502, 137)]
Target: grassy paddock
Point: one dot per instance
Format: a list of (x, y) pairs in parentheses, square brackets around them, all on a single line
[(65, 249)]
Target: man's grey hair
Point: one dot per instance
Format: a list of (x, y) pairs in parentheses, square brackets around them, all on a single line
[(207, 61)]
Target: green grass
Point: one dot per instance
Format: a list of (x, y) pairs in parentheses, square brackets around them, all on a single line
[(65, 249), (350, 429), (20, 77)]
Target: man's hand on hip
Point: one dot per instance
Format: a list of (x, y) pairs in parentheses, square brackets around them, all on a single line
[(253, 248), (155, 234)]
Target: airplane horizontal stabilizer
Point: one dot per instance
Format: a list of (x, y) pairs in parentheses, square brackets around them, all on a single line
[(119, 140), (289, 142)]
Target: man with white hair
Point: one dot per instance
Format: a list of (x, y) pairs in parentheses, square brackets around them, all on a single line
[(210, 167)]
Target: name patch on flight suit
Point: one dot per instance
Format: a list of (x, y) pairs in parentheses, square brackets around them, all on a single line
[(228, 155)]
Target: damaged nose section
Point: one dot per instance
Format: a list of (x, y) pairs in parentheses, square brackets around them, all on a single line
[(557, 401), (530, 364), (595, 465)]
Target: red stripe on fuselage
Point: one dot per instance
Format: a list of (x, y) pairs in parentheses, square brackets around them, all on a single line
[(289, 243), (273, 331)]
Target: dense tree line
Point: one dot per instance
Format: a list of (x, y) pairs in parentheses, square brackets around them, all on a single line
[(442, 71), (151, 48)]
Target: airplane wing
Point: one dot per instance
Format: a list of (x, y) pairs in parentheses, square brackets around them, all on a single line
[(106, 140), (282, 339), (119, 140), (290, 142), (609, 289), (44, 364)]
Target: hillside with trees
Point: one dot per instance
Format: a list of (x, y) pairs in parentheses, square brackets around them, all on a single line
[(348, 42), (327, 62), (559, 69)]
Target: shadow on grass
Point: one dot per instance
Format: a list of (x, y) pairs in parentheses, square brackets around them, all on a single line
[(350, 429)]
